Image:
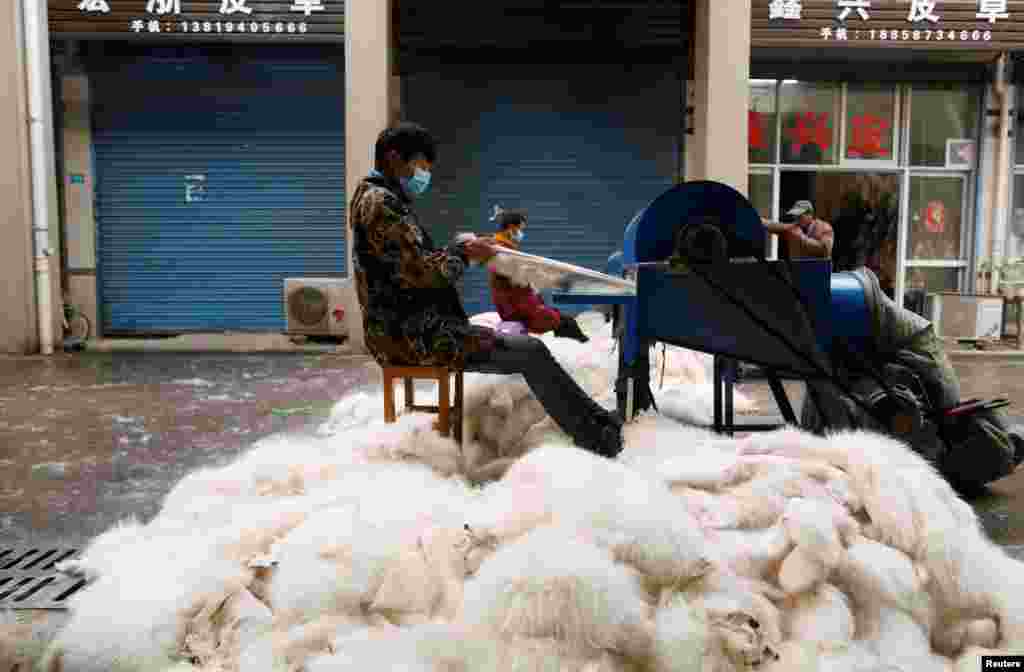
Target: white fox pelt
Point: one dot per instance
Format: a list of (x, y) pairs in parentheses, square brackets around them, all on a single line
[(550, 583), (373, 546)]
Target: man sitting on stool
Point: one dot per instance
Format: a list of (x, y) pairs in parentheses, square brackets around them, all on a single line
[(412, 313)]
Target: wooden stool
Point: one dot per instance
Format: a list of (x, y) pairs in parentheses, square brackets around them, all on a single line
[(449, 415)]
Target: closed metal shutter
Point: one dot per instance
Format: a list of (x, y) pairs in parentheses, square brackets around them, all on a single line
[(218, 175), (581, 147)]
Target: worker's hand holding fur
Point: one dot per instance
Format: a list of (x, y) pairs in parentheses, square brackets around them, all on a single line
[(480, 249)]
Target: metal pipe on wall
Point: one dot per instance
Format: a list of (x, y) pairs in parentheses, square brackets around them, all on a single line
[(997, 230), (37, 54), (980, 175)]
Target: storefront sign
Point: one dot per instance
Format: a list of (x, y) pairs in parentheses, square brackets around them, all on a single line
[(206, 19), (920, 24)]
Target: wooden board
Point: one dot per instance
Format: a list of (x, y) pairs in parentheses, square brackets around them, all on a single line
[(958, 27), (199, 20)]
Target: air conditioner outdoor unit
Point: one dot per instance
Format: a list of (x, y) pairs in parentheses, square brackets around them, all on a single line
[(965, 316), (320, 306)]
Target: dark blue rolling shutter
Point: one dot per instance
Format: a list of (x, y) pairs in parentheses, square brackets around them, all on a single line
[(266, 130), (582, 148)]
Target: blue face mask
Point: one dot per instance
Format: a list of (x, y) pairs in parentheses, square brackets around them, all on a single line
[(418, 183)]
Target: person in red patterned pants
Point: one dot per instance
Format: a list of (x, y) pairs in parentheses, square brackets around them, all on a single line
[(523, 304)]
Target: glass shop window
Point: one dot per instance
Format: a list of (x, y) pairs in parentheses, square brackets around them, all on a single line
[(1016, 126), (936, 211), (761, 117), (760, 189), (810, 126), (870, 123), (924, 281), (1015, 229), (943, 126)]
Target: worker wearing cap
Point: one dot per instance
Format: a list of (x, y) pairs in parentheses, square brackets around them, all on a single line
[(524, 304), (805, 235)]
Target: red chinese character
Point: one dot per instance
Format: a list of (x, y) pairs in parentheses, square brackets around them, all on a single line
[(810, 129), (866, 137), (755, 137)]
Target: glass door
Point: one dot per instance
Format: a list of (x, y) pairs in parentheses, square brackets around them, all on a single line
[(864, 210), (935, 236)]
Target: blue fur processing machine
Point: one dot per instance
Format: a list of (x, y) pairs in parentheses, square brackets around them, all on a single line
[(696, 254)]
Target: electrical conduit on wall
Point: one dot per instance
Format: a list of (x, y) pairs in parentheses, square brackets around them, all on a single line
[(33, 15), (980, 175), (997, 230)]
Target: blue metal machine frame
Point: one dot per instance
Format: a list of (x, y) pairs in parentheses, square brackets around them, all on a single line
[(784, 316)]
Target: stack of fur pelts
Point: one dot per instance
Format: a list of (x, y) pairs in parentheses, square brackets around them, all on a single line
[(369, 548)]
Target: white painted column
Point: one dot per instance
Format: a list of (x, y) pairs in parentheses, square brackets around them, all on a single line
[(368, 95), (18, 330), (369, 104), (721, 92)]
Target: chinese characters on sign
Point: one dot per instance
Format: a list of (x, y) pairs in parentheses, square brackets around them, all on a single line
[(785, 9), (990, 10), (854, 16), (841, 34), (92, 6), (927, 35), (222, 27), (160, 13), (922, 10), (162, 7), (308, 6), (230, 7), (862, 7)]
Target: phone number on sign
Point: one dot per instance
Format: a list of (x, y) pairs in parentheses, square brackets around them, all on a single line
[(909, 35), (241, 27)]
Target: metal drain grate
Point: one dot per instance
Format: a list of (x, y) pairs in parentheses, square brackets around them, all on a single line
[(29, 580)]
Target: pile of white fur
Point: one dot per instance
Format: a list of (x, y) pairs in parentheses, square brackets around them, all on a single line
[(368, 548)]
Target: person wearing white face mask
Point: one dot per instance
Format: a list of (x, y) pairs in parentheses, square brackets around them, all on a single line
[(412, 312), (523, 304)]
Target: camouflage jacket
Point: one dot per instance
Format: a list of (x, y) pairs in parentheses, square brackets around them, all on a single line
[(412, 313)]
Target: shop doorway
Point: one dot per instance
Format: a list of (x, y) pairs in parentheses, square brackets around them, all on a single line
[(863, 209)]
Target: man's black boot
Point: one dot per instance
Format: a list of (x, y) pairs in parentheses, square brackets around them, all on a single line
[(603, 436), (569, 328)]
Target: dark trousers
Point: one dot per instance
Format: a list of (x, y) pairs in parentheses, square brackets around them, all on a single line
[(591, 426)]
